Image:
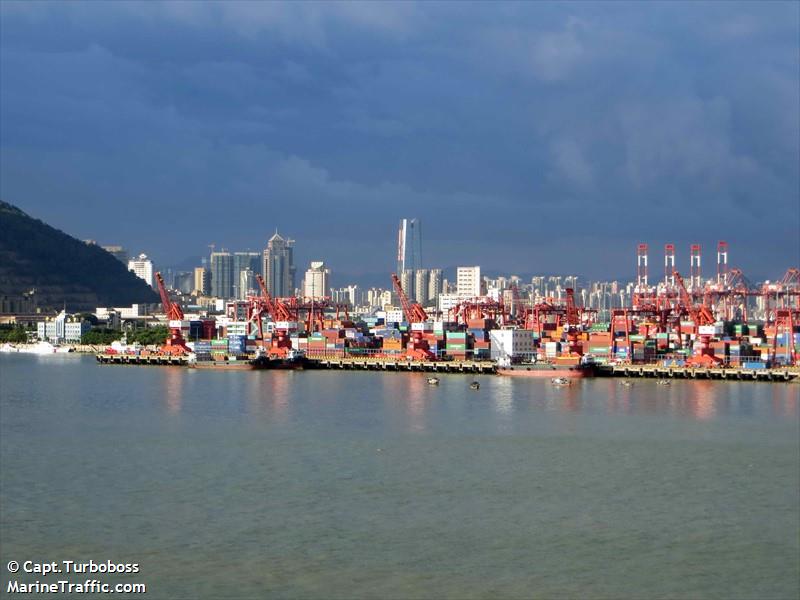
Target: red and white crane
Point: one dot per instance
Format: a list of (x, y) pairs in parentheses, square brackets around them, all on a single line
[(175, 344)]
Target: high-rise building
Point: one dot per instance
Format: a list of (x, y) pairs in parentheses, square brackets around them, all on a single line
[(468, 282), (421, 277), (243, 261), (142, 267), (246, 286), (434, 284), (117, 252), (183, 281), (409, 245), (315, 283), (407, 281), (221, 274), (278, 266), (202, 281)]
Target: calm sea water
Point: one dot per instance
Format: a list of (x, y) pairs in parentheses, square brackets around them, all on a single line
[(370, 485)]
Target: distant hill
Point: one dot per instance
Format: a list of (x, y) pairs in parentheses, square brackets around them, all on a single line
[(62, 269)]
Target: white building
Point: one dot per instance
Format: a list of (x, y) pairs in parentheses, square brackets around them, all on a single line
[(508, 343), (247, 285), (315, 284), (62, 329), (142, 267), (407, 283), (434, 284), (395, 315), (468, 282), (446, 302), (377, 297), (421, 280)]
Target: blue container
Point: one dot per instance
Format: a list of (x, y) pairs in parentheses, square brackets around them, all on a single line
[(237, 344), (754, 365)]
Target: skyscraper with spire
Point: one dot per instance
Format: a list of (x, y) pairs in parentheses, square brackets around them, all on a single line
[(278, 266)]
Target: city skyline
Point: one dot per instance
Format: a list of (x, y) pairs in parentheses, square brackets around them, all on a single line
[(533, 137)]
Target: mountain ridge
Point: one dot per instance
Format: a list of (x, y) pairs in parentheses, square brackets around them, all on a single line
[(61, 270)]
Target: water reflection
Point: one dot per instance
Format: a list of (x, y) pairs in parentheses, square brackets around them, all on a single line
[(173, 389), (702, 404), (785, 404), (502, 397), (268, 394), (415, 403)]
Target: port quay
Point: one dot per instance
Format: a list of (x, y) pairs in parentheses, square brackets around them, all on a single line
[(719, 328)]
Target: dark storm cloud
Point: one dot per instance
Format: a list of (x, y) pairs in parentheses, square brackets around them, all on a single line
[(527, 136)]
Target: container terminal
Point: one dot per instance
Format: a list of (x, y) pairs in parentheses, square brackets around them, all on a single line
[(677, 328)]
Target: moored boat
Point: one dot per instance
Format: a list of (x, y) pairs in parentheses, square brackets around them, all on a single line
[(232, 363), (546, 369)]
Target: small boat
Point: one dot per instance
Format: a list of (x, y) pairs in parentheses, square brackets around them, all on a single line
[(433, 381), (626, 383), (560, 381), (663, 382), (475, 385)]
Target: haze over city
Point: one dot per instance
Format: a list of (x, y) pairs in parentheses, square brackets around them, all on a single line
[(531, 137)]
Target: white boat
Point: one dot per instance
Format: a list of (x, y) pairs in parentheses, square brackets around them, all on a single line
[(560, 381), (8, 348), (44, 348)]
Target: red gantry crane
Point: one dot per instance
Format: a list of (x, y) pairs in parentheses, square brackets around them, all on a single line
[(175, 344), (281, 344), (417, 348), (701, 316)]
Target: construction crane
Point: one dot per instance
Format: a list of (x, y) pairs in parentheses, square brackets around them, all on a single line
[(174, 344), (412, 310)]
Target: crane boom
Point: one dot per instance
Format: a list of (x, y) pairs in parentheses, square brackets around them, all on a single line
[(175, 344), (573, 319), (274, 307), (700, 316), (413, 311), (171, 309)]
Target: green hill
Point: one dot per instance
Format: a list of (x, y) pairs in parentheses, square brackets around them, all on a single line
[(61, 269)]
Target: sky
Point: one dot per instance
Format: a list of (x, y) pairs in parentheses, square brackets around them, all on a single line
[(528, 137)]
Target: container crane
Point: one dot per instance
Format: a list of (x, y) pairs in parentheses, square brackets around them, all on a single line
[(700, 316), (417, 348), (281, 344), (175, 344), (412, 310), (573, 323)]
